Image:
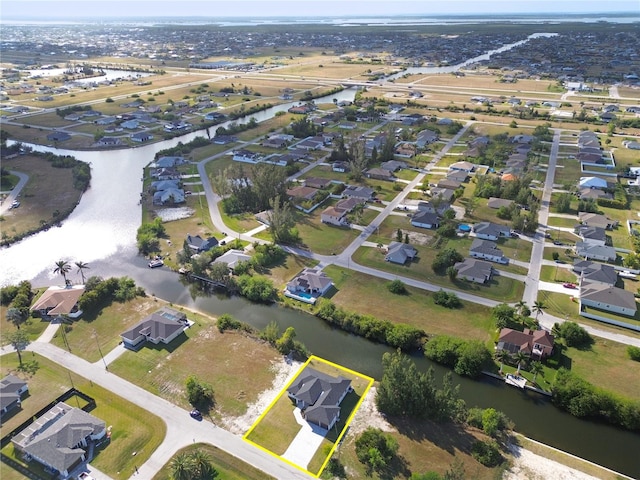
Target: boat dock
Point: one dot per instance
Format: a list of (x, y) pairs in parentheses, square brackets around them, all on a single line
[(515, 380)]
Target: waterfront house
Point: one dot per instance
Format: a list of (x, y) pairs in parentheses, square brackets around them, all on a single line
[(58, 137), (308, 285), (59, 301), (141, 137), (319, 396), (537, 343), (162, 326), (198, 244), (232, 258)]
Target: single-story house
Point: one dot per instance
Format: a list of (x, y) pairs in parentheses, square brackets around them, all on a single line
[(498, 202), (457, 176), (130, 124), (364, 193), (232, 258), (462, 166), (380, 174), (393, 165), (341, 167), (315, 182), (60, 438), (491, 231), (337, 215), (605, 297), (169, 196), (593, 193), (424, 219), (449, 184), (224, 139), (592, 235), (12, 389), (58, 301), (319, 395), (168, 162), (199, 244), (247, 156), (162, 326), (109, 142), (426, 137), (592, 182), (302, 193), (445, 194), (595, 272), (141, 137), (432, 207), (596, 220), (58, 137), (533, 343), (487, 250), (159, 185), (398, 252), (308, 285), (589, 251), (474, 270)]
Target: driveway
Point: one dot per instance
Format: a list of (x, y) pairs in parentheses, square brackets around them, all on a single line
[(13, 195), (306, 443)]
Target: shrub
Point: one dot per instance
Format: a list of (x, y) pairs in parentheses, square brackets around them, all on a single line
[(198, 393), (466, 357), (487, 453), (398, 287), (574, 335), (227, 322), (447, 299), (634, 353)]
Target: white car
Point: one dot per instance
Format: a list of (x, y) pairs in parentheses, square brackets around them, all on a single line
[(85, 476)]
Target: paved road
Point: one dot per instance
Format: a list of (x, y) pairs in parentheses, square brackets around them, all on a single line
[(181, 429), (13, 195)]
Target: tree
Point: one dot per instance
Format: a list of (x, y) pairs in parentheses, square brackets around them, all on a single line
[(399, 235), (446, 299), (198, 393), (81, 266), (19, 340), (181, 467), (62, 267), (563, 203), (376, 449), (503, 356), (535, 368), (520, 358), (452, 273), (358, 162), (503, 314), (397, 286), (282, 220), (202, 466), (573, 334), (538, 308), (15, 316), (473, 358), (447, 257)]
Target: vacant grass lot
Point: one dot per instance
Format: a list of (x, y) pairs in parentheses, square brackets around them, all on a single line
[(228, 466), (133, 428), (289, 268), (369, 295), (322, 238), (221, 360), (48, 193), (550, 273), (500, 288)]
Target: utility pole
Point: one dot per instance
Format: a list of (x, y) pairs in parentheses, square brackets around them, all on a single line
[(95, 335)]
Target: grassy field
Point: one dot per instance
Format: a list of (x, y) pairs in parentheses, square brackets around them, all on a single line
[(228, 466), (369, 295), (48, 193), (285, 271), (320, 237), (550, 273), (133, 429)]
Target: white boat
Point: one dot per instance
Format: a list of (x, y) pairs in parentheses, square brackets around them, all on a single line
[(156, 263), (515, 380)]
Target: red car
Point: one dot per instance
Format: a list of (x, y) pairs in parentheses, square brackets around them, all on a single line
[(568, 285)]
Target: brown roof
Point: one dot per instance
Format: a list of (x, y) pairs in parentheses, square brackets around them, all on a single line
[(525, 340), (302, 192), (59, 301)]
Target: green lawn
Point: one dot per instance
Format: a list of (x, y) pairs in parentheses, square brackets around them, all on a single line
[(320, 237), (369, 295), (562, 222), (567, 171), (500, 288), (228, 466), (550, 273), (132, 428)]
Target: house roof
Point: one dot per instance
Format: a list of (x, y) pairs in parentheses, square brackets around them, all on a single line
[(59, 300), (393, 165), (585, 249), (592, 182), (359, 192), (9, 387), (311, 279), (428, 218), (498, 202), (443, 193), (158, 326), (594, 219), (514, 340), (448, 183), (53, 438), (232, 258), (321, 392), (488, 228), (306, 193), (592, 233), (596, 272), (607, 294), (198, 243), (316, 182), (466, 166), (472, 267), (486, 247)]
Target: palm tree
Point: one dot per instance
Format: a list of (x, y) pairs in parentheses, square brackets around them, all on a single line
[(82, 266), (538, 308), (503, 356), (62, 267), (535, 368), (520, 357), (181, 467), (201, 464), (452, 273)]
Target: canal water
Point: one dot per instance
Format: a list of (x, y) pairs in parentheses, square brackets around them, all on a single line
[(101, 231)]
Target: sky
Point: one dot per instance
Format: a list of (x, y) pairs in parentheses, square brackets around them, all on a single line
[(61, 9)]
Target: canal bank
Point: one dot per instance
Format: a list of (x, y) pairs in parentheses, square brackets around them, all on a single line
[(102, 232)]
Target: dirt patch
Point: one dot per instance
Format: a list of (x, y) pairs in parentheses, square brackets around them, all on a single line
[(415, 238), (528, 465), (369, 416), (284, 371)]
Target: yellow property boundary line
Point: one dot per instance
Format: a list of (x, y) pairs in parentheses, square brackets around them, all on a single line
[(346, 425)]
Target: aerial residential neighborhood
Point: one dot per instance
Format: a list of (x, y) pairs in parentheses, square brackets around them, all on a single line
[(332, 248)]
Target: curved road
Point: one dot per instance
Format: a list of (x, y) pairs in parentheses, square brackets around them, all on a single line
[(13, 195)]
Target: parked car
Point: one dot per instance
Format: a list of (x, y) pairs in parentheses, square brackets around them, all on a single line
[(15, 204), (85, 476), (156, 263), (196, 414), (569, 285)]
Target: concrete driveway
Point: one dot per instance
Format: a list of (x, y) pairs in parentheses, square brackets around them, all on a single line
[(306, 443)]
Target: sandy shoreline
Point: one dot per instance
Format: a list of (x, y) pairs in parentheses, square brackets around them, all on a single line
[(526, 465)]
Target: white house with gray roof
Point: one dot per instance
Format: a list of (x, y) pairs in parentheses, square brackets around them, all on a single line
[(487, 250), (12, 389), (595, 272), (162, 326), (605, 297), (308, 285), (490, 231), (60, 438), (474, 270), (398, 252), (589, 251), (232, 258), (319, 396)]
